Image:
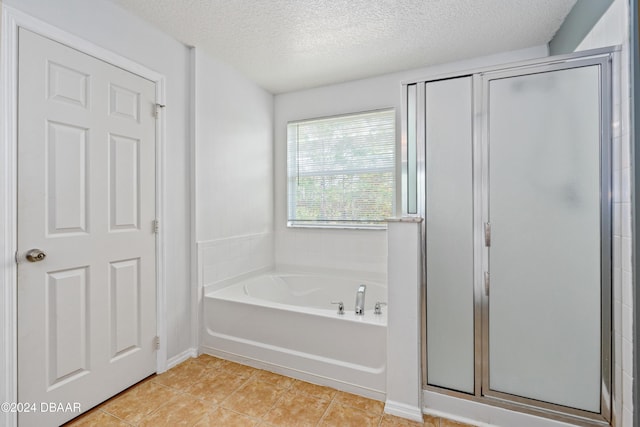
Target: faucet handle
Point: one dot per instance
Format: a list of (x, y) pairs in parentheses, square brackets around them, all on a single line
[(377, 309), (340, 306)]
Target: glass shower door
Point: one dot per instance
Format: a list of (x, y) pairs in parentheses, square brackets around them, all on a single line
[(449, 230), (546, 212)]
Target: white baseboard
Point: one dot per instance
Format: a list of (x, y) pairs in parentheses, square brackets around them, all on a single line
[(179, 358), (402, 410)]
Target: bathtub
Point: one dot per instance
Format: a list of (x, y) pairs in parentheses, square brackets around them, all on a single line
[(286, 323)]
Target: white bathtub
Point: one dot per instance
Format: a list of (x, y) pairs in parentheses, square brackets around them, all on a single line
[(287, 324)]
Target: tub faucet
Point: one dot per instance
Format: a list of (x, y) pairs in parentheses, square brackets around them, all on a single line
[(360, 299), (340, 306)]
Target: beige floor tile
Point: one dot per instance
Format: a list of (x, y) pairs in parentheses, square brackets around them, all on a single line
[(393, 421), (182, 410), (273, 378), (359, 402), (238, 369), (221, 417), (315, 390), (254, 398), (183, 375), (450, 423), (210, 362), (339, 415), (139, 401), (96, 418), (216, 386), (188, 394), (431, 421), (296, 410)]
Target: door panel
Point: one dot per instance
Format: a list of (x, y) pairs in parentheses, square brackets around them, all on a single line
[(125, 306), (545, 254), (86, 197), (66, 322), (67, 204), (124, 185)]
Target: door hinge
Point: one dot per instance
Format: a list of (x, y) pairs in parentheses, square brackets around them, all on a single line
[(155, 225), (487, 234), (156, 343), (486, 283), (156, 111)]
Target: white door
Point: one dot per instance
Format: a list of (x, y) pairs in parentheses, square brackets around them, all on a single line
[(86, 199)]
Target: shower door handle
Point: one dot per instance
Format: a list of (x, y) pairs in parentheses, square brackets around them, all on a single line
[(487, 234), (487, 280)]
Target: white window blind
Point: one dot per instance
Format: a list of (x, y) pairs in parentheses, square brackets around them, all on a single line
[(341, 170)]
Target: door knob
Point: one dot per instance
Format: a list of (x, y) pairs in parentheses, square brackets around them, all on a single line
[(35, 255)]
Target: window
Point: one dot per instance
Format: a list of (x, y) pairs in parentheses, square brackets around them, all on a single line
[(341, 170)]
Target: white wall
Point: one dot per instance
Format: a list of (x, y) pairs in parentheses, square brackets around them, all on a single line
[(355, 250), (107, 25), (613, 29), (234, 173)]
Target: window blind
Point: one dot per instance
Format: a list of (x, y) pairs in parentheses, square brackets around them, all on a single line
[(341, 170)]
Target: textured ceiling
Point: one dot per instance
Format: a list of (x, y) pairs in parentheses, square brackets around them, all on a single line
[(286, 45)]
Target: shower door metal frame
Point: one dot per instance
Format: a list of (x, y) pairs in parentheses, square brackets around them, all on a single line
[(606, 235), (606, 58)]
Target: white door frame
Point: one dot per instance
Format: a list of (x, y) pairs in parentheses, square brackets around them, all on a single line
[(13, 19)]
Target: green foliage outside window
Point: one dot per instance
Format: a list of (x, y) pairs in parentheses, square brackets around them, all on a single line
[(342, 169)]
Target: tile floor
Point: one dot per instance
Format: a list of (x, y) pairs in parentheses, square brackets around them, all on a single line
[(207, 391)]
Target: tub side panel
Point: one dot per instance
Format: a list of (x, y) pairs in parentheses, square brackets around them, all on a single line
[(346, 351)]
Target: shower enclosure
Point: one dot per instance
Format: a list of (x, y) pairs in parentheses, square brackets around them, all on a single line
[(511, 169)]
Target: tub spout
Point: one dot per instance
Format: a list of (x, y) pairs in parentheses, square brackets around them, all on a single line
[(360, 299)]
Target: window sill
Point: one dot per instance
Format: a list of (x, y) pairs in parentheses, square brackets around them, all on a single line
[(382, 226)]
